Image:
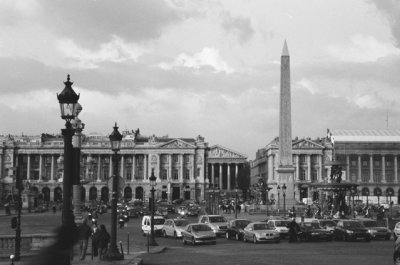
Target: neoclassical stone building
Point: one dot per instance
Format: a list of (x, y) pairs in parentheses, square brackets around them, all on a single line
[(370, 158), (181, 166)]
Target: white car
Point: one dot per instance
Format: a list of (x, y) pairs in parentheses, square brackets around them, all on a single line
[(260, 232), (396, 230), (174, 227), (218, 223), (158, 224), (280, 226)]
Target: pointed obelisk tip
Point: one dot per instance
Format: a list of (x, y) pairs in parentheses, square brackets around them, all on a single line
[(285, 51)]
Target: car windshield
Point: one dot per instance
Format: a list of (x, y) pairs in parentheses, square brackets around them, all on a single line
[(217, 219), (242, 223), (261, 227), (312, 225), (181, 222), (198, 228), (281, 223), (352, 224), (370, 223), (159, 221)]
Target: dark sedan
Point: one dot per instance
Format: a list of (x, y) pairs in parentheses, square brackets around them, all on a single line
[(351, 230), (235, 228), (312, 231)]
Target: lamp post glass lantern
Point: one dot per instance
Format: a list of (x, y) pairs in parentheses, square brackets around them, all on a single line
[(113, 252), (236, 200), (153, 183)]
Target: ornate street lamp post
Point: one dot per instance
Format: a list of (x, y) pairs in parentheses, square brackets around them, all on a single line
[(367, 194), (68, 100), (389, 193), (78, 126), (353, 193), (211, 190), (153, 180), (279, 192), (284, 199), (236, 200), (217, 191), (378, 193), (113, 252)]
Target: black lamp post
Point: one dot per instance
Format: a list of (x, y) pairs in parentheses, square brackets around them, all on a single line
[(279, 192), (113, 252), (284, 199), (378, 193), (217, 192), (153, 180), (211, 191), (389, 193), (207, 194), (78, 126), (68, 100), (236, 200), (367, 194)]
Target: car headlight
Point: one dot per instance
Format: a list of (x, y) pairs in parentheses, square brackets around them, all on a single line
[(314, 233), (372, 231), (349, 232)]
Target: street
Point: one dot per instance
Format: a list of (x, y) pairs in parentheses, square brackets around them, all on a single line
[(225, 251)]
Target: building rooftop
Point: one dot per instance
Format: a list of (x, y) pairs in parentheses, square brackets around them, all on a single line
[(365, 135)]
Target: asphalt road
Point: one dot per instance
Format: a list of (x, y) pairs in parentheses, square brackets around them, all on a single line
[(225, 251)]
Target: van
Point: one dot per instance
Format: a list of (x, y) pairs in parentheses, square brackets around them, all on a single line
[(158, 224)]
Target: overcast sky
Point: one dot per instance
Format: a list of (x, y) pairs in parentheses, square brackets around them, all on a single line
[(183, 68)]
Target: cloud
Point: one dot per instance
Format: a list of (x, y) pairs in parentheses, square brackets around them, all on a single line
[(237, 25), (204, 60), (362, 49), (391, 10)]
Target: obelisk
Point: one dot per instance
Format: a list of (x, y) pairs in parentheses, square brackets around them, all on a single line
[(285, 168)]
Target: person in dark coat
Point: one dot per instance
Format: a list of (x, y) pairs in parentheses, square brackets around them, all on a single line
[(84, 233), (102, 240), (294, 228)]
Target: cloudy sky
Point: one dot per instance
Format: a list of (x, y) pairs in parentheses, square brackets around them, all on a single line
[(183, 68)]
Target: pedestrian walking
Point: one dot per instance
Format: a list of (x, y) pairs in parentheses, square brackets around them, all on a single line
[(95, 234), (294, 229), (102, 240), (84, 233)]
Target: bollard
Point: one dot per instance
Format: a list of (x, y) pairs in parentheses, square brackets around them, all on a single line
[(128, 244), (122, 250), (12, 256)]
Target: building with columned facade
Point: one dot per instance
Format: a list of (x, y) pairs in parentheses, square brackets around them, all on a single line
[(181, 166), (369, 158)]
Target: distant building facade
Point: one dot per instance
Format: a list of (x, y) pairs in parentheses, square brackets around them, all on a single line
[(181, 166), (370, 158)]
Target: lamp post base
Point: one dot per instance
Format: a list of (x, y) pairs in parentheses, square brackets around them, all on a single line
[(153, 243), (113, 254)]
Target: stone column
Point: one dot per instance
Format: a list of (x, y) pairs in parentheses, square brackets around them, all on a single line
[(170, 166), (297, 167), (122, 166), (383, 169), (40, 167), (320, 168), (98, 170), (52, 168), (371, 169), (212, 174), (236, 173), (181, 171), (359, 180), (133, 168), (110, 170), (220, 176), (145, 167), (396, 179), (270, 168), (308, 168), (348, 177), (228, 168), (28, 170)]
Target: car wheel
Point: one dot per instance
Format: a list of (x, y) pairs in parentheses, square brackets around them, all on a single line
[(227, 235), (244, 239), (193, 241), (175, 236), (368, 239), (395, 237), (387, 237), (165, 234), (344, 237), (183, 240), (278, 241), (237, 237), (254, 239)]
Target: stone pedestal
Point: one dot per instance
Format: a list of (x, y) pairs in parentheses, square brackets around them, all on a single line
[(286, 176)]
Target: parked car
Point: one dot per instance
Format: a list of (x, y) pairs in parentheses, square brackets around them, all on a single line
[(260, 232), (312, 231), (235, 228), (192, 211), (396, 230), (174, 227), (375, 230), (158, 224), (198, 233), (280, 226), (351, 230), (218, 223), (163, 211), (328, 225)]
